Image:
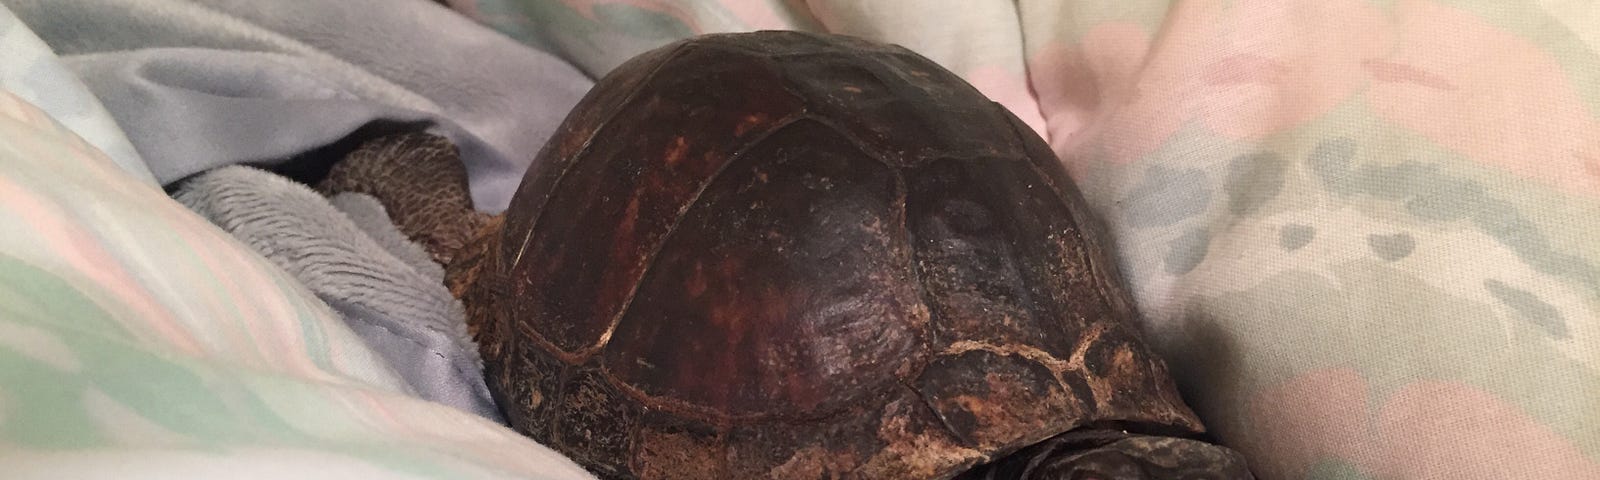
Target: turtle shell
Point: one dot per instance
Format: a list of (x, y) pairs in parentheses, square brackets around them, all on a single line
[(780, 254)]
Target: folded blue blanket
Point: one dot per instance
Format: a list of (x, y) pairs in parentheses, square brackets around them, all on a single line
[(198, 84), (351, 256)]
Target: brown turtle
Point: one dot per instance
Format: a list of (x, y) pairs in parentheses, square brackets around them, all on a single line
[(790, 255)]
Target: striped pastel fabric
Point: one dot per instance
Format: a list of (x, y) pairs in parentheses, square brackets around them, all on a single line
[(139, 341), (1365, 232)]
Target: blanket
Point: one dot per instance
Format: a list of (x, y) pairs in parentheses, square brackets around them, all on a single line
[(199, 84), (385, 287), (35, 74), (137, 340)]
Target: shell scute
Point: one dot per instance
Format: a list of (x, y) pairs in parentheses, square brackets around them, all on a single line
[(781, 292), (790, 255), (616, 204)]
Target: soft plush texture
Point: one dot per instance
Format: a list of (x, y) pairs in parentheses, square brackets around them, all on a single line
[(1362, 231), (402, 312), (139, 341), (199, 84), (368, 214)]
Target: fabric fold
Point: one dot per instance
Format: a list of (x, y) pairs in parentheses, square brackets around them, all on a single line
[(199, 84), (31, 71), (402, 312)]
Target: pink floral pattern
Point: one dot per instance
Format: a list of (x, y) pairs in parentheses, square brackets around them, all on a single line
[(1425, 429), (1493, 96), (1226, 65), (1435, 70)]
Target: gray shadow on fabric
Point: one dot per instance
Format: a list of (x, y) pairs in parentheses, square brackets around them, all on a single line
[(1204, 360)]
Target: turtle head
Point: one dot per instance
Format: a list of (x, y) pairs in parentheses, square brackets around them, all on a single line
[(421, 182), (1117, 456)]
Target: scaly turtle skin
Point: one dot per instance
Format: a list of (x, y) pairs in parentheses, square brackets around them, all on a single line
[(427, 200), (791, 255)]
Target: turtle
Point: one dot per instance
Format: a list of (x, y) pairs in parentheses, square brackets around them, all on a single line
[(781, 254)]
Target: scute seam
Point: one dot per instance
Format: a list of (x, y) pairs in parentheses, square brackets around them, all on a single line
[(561, 178), (677, 219), (1082, 228), (943, 421), (719, 420)]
